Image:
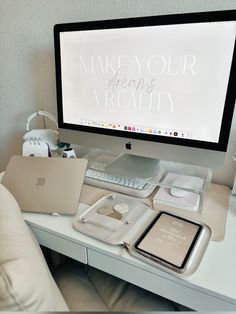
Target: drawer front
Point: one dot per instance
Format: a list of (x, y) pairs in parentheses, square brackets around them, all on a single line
[(58, 244), (190, 297)]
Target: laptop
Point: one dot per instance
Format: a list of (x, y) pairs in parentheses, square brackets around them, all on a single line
[(45, 184)]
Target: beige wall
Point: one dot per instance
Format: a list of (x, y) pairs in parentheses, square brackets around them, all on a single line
[(27, 80)]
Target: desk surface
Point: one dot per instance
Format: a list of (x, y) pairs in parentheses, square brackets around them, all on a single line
[(215, 276)]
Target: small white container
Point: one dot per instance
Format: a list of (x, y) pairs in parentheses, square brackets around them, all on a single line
[(68, 153)]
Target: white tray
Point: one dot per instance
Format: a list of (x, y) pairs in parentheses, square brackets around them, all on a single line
[(122, 220)]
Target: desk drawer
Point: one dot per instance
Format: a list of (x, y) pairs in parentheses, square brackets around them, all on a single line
[(61, 245), (180, 293)]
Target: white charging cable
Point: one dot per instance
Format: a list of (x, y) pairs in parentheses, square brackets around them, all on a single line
[(234, 186)]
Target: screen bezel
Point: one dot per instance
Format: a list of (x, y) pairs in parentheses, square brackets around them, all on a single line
[(190, 249), (199, 17)]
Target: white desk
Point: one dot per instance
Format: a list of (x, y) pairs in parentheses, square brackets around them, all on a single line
[(211, 288)]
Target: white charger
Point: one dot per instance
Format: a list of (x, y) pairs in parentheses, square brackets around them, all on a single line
[(35, 148)]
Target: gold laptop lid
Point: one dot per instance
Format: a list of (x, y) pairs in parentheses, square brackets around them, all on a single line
[(41, 184)]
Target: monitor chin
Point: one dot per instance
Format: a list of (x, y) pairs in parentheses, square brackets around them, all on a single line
[(189, 155)]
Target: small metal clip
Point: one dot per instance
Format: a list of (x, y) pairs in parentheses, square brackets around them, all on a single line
[(83, 220), (126, 245)]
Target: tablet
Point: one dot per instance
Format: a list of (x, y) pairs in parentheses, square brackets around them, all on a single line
[(169, 239)]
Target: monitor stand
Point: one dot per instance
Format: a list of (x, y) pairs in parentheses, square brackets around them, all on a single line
[(133, 166)]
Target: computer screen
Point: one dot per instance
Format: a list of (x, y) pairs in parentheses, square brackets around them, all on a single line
[(163, 79)]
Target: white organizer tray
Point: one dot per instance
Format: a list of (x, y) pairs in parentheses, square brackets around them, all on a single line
[(172, 243)]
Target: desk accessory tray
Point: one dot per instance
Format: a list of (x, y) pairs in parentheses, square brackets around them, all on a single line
[(166, 241), (147, 169), (195, 182), (112, 218)]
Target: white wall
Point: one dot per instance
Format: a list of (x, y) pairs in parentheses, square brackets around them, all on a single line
[(27, 81)]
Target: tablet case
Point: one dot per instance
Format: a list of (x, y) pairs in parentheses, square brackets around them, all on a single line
[(121, 220), (43, 184)]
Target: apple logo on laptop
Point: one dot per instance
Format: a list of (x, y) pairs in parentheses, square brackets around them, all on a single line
[(40, 181)]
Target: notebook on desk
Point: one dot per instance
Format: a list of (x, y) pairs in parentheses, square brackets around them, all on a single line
[(49, 185)]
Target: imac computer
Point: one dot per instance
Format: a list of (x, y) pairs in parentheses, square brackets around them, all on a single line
[(158, 86)]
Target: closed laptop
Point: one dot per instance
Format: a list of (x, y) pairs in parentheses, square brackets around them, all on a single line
[(49, 185)]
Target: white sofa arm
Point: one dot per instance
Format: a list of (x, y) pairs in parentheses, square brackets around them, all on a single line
[(25, 281)]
